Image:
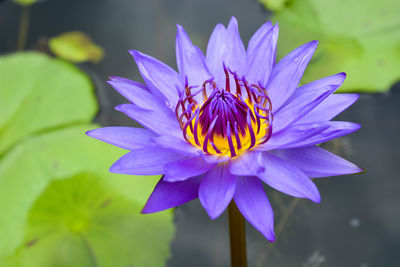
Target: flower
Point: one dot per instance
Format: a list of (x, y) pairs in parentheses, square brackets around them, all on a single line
[(229, 121)]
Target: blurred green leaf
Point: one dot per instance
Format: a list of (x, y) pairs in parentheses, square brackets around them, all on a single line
[(39, 93), (60, 207), (25, 2), (75, 47), (274, 5), (359, 38)]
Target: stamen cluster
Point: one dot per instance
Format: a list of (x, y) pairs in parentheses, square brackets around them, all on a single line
[(228, 121)]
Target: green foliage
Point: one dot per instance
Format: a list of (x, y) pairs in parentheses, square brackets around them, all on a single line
[(75, 47), (361, 38), (274, 5), (39, 93), (60, 206), (25, 2)]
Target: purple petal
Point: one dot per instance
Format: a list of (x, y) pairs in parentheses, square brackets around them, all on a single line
[(159, 77), (213, 158), (125, 137), (316, 162), (216, 190), (226, 46), (287, 178), (235, 57), (253, 203), (138, 94), (156, 122), (215, 49), (177, 144), (185, 168), (190, 59), (287, 74), (305, 99), (261, 56), (336, 129), (307, 134), (250, 163), (168, 195), (145, 161), (330, 108), (258, 36), (293, 135)]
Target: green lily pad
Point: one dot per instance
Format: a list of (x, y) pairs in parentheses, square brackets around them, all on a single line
[(76, 47), (25, 2), (39, 93), (274, 5), (61, 208), (359, 38)]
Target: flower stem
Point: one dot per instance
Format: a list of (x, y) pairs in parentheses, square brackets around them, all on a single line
[(23, 29), (237, 236)]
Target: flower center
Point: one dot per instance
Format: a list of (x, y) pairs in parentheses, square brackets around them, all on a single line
[(229, 121)]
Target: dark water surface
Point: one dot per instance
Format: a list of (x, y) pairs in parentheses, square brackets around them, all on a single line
[(358, 221)]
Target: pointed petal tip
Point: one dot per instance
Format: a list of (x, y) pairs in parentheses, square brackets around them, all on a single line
[(180, 32), (216, 191), (113, 78), (179, 28), (219, 26), (233, 20), (271, 237), (213, 217), (150, 210), (114, 168), (94, 133), (314, 194), (147, 210), (233, 26), (310, 46), (112, 82), (144, 211), (359, 171), (356, 97), (120, 107), (275, 31), (211, 213), (341, 76), (336, 81), (352, 169), (117, 79), (89, 133), (316, 198), (357, 126), (268, 22), (135, 53)]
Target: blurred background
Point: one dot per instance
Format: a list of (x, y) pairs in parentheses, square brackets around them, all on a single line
[(60, 206)]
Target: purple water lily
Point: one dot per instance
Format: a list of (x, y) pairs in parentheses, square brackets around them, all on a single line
[(229, 121)]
